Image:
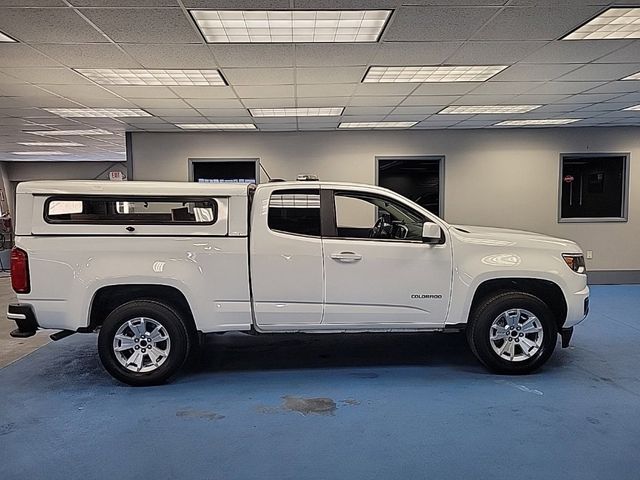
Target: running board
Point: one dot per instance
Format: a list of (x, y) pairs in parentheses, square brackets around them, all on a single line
[(61, 334)]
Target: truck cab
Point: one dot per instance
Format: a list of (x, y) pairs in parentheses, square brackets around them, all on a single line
[(152, 266)]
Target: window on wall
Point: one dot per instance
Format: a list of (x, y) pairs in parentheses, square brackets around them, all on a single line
[(593, 188), (295, 211)]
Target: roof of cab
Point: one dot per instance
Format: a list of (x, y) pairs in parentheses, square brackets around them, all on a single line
[(101, 187)]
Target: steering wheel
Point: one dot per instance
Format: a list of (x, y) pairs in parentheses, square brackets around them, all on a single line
[(378, 228)]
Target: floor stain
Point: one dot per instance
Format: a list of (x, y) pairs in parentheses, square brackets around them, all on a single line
[(593, 421), (309, 406), (201, 414), (7, 428), (350, 401)]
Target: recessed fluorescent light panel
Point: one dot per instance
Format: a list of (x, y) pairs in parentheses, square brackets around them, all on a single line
[(289, 26), (297, 112), (612, 23), (216, 126), (424, 74), (488, 109), (123, 76), (634, 108), (6, 38), (525, 123), (98, 112), (57, 133), (51, 144), (40, 153), (377, 124), (635, 76)]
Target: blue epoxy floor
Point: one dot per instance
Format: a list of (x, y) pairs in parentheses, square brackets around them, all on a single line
[(407, 406)]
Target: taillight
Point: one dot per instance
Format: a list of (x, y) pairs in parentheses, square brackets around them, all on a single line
[(20, 271)]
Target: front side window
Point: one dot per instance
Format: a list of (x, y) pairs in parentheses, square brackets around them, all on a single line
[(360, 215), (593, 187), (295, 211), (126, 210)]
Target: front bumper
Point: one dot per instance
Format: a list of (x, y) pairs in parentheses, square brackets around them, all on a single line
[(25, 319), (577, 307)]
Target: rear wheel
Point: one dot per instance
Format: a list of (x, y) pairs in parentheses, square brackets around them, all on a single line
[(143, 342), (512, 332)]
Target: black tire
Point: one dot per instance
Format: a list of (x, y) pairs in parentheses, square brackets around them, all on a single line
[(479, 327), (175, 329)]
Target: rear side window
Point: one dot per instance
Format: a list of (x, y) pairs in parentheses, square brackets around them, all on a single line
[(295, 211), (126, 210)]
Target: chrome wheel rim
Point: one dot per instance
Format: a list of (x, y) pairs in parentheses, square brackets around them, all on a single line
[(141, 345), (516, 335)]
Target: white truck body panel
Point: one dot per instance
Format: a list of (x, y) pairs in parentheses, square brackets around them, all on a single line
[(238, 274)]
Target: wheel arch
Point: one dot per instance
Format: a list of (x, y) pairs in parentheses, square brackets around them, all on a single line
[(107, 298), (546, 290)]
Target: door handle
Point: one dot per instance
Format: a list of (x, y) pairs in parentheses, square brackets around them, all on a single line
[(346, 257)]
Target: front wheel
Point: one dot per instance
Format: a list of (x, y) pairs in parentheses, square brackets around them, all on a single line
[(512, 332), (143, 342)]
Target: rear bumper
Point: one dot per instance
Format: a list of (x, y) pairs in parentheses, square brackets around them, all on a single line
[(25, 319), (577, 307)]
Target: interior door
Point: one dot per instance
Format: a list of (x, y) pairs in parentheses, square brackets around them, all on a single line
[(392, 279), (286, 259)]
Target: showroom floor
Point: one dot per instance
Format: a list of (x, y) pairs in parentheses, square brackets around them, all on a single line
[(312, 407)]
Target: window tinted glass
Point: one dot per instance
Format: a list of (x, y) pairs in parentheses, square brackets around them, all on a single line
[(130, 210), (295, 211), (369, 216), (593, 187)]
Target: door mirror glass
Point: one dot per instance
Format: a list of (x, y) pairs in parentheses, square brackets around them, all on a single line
[(431, 232)]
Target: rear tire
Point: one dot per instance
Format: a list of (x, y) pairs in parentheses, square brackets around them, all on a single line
[(512, 332), (143, 342)]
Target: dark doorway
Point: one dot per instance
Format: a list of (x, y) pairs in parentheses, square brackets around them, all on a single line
[(224, 171), (418, 179)]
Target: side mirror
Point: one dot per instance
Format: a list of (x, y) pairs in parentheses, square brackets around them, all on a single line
[(431, 232)]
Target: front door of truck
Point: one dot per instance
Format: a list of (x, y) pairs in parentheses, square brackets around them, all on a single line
[(378, 272), (286, 258)]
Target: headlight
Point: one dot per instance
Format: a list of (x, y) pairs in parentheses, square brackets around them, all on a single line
[(575, 262)]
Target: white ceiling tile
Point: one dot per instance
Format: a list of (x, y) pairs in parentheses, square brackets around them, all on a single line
[(420, 110), (272, 103), (96, 102), (628, 54), (172, 56), (174, 112), (144, 25), (471, 99), (626, 86), (204, 92), (430, 100), (370, 89), (20, 55), (368, 110), (159, 102), (565, 51), (561, 108), (265, 91), (435, 23), (336, 90), (363, 118), (539, 99), (259, 76), (214, 102), (494, 88), (535, 23), (493, 53), (601, 71), (142, 91), (313, 76), (589, 98), (71, 91), (604, 107), (333, 54), (447, 88), (48, 75), (223, 112), (328, 101), (124, 3), (533, 72), (416, 53), (411, 117), (557, 87), (255, 55), (47, 25), (382, 101), (89, 55)]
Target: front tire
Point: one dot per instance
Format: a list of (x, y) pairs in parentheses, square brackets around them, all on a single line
[(143, 342), (512, 333)]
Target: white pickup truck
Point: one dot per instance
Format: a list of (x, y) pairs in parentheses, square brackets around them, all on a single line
[(152, 266)]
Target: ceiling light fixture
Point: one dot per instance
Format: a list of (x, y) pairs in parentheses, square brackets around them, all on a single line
[(635, 76), (297, 112), (51, 144), (290, 26), (536, 122), (610, 24), (124, 76), (39, 153), (216, 126), (377, 124), (98, 112), (6, 38), (635, 108), (57, 133), (487, 109), (424, 74)]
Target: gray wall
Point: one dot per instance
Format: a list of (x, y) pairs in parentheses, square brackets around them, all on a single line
[(505, 178)]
